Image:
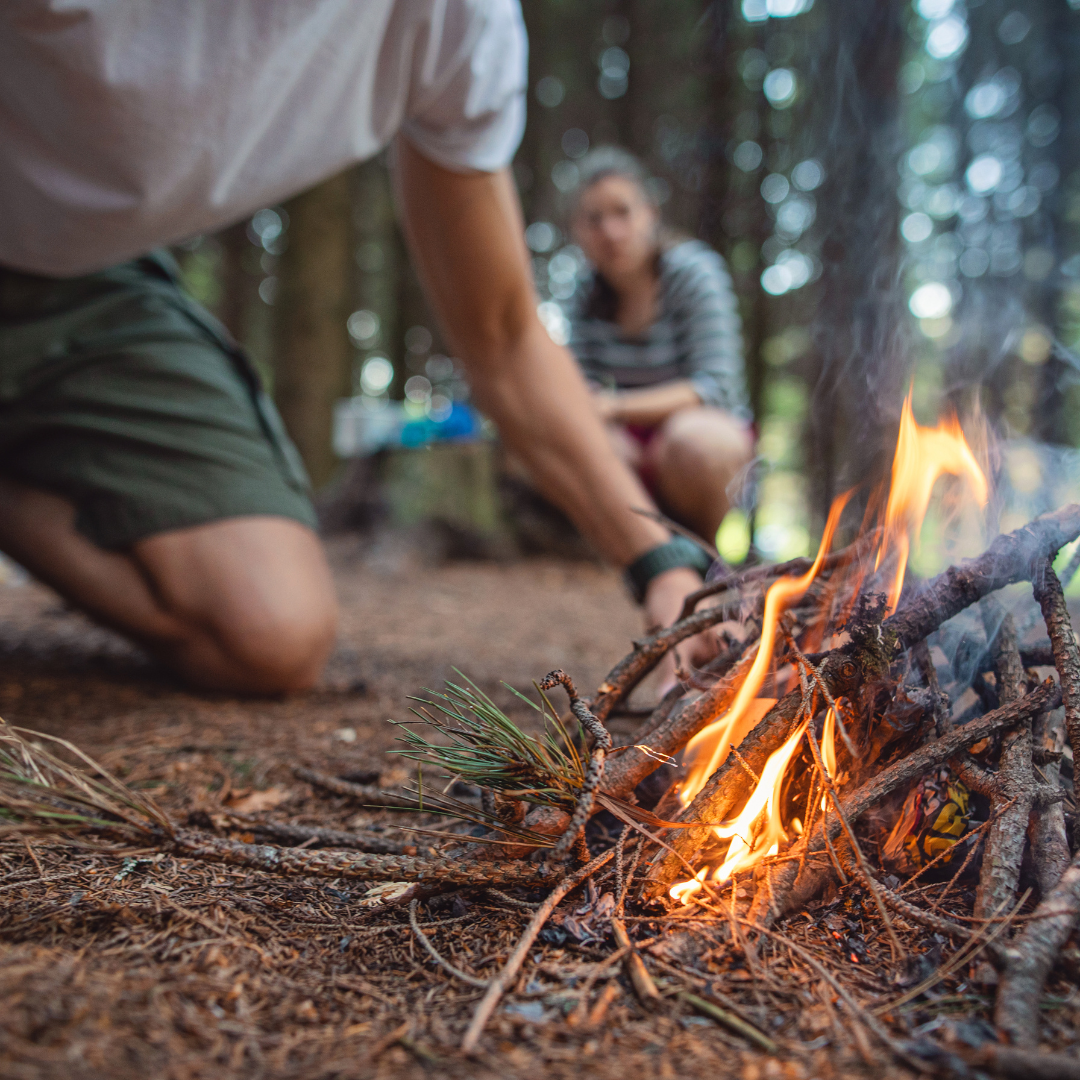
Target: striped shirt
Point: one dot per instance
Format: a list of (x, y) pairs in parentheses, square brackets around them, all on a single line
[(697, 334)]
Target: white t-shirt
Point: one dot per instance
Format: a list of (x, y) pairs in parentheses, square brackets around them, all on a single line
[(126, 124)]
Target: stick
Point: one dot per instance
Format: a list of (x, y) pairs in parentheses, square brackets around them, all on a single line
[(1051, 599), (594, 772), (335, 838), (1014, 782), (1008, 559), (730, 1021), (439, 872), (368, 794), (464, 976), (1032, 956), (642, 981), (1022, 1064), (498, 985)]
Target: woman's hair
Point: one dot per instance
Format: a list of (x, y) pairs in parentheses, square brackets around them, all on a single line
[(602, 301), (607, 161)]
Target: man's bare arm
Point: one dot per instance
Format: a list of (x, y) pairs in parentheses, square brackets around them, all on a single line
[(466, 235)]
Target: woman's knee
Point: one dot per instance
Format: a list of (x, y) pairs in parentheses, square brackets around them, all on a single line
[(702, 438)]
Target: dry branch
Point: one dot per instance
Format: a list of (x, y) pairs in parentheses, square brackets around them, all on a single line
[(1012, 789), (1032, 956), (1010, 558), (332, 838), (441, 871), (367, 794), (1051, 599)]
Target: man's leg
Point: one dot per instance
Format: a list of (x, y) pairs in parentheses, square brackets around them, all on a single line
[(696, 455), (242, 604)]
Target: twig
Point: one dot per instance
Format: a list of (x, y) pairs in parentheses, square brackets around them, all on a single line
[(1008, 559), (681, 530), (498, 985), (640, 978), (593, 773), (974, 946), (335, 838), (1051, 599), (464, 976), (857, 1011), (730, 1021), (512, 901), (1014, 782), (1032, 956), (368, 794)]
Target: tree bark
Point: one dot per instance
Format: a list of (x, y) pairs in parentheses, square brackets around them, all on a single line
[(312, 351)]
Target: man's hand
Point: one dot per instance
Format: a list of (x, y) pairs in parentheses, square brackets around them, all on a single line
[(663, 604)]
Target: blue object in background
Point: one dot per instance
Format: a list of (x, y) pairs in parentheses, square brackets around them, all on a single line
[(461, 423)]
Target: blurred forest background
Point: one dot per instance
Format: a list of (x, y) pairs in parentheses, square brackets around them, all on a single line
[(895, 186)]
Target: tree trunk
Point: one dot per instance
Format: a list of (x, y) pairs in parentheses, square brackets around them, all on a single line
[(312, 349), (858, 337)]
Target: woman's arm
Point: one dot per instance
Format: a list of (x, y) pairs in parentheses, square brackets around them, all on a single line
[(649, 406)]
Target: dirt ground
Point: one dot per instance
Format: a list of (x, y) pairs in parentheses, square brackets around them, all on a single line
[(176, 969)]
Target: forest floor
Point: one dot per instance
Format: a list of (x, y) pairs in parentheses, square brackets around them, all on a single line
[(171, 968)]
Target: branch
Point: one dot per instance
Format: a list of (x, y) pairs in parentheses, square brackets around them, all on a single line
[(1051, 599), (1008, 559), (1032, 957)]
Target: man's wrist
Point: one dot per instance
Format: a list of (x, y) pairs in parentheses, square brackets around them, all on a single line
[(674, 553)]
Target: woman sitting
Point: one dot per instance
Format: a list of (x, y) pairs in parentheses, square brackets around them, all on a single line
[(656, 330)]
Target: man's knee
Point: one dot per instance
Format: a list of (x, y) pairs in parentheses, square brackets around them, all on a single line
[(255, 598), (278, 647)]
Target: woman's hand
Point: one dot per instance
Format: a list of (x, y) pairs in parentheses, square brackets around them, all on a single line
[(607, 404)]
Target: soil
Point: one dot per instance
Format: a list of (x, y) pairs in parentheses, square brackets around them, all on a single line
[(166, 967)]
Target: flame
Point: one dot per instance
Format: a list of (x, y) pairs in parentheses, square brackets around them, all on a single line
[(684, 890), (747, 847), (708, 749), (828, 749), (922, 455)]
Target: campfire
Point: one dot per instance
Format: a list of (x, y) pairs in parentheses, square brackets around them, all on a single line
[(827, 745)]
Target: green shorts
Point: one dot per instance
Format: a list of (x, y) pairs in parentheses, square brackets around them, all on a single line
[(122, 394)]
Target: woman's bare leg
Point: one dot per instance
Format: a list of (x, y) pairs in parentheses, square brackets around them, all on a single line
[(244, 604), (695, 457)]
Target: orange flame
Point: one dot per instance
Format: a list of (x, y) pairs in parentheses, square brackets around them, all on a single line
[(828, 749), (922, 456), (748, 847), (708, 749)]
